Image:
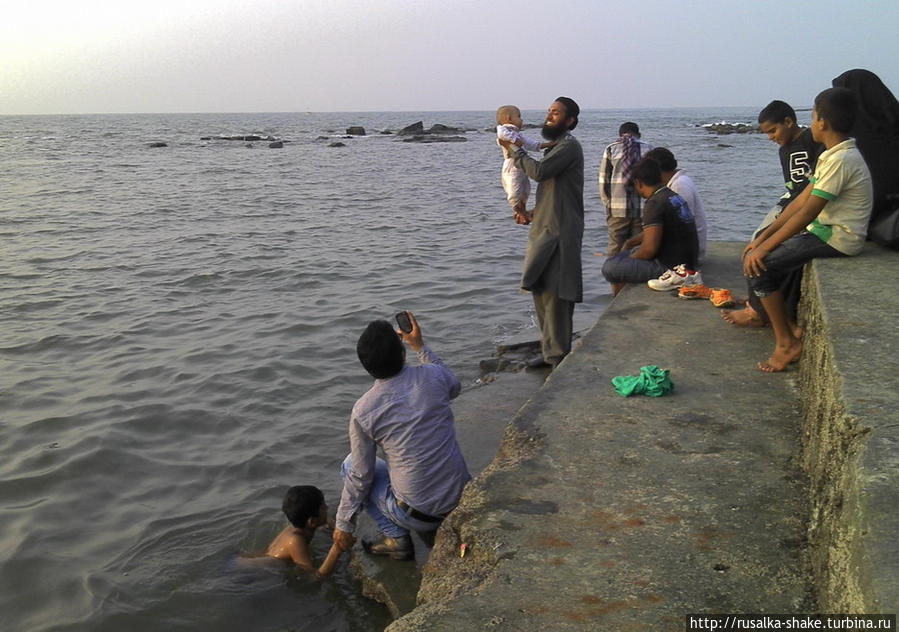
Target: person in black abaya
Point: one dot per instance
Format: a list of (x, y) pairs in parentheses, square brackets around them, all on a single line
[(876, 133)]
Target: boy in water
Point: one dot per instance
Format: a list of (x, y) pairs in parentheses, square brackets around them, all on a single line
[(798, 157), (828, 219), (305, 508), (515, 181)]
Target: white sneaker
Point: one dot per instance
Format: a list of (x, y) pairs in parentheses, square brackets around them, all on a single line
[(675, 278)]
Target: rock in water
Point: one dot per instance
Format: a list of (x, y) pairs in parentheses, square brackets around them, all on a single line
[(434, 138), (415, 128), (276, 145), (336, 144), (356, 130), (158, 145), (438, 128), (731, 128)]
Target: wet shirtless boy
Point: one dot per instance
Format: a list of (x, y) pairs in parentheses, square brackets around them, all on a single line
[(305, 508)]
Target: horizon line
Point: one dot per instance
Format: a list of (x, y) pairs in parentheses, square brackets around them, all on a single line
[(401, 111)]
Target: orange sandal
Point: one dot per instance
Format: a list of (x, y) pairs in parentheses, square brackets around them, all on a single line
[(694, 291), (722, 298)]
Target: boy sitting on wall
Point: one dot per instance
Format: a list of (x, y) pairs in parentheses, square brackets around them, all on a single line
[(828, 219), (798, 158)]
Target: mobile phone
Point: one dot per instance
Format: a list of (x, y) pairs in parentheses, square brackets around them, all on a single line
[(405, 324)]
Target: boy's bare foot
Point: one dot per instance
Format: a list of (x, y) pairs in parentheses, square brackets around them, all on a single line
[(782, 358), (746, 317)]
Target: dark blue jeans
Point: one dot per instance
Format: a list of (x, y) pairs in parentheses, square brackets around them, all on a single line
[(381, 504), (789, 256), (623, 269)]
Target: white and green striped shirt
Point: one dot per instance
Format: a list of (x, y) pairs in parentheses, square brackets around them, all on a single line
[(842, 178)]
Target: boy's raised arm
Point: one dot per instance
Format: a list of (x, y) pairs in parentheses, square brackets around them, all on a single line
[(330, 562), (299, 554)]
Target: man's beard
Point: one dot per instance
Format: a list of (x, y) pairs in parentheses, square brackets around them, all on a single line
[(552, 132)]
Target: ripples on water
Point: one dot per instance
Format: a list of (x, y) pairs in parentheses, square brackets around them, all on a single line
[(178, 326)]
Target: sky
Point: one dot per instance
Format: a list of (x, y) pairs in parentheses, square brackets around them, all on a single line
[(130, 56)]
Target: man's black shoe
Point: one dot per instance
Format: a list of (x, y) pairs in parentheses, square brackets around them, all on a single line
[(397, 548)]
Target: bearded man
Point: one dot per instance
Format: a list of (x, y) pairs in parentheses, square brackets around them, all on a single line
[(552, 262)]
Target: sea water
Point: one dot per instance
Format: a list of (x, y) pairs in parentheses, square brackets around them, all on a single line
[(178, 327)]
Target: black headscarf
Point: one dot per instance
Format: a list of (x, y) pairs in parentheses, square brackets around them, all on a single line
[(878, 109), (876, 133)]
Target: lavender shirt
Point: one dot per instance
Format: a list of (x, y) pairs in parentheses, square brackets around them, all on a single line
[(409, 417)]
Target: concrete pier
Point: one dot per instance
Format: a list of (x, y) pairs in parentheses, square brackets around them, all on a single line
[(741, 492)]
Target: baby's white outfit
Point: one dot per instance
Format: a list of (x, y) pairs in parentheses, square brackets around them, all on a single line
[(516, 183)]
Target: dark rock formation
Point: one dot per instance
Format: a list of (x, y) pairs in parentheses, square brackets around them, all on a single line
[(158, 145), (243, 137), (415, 128), (386, 131), (434, 138), (337, 143), (356, 130), (731, 128), (438, 128), (276, 145)]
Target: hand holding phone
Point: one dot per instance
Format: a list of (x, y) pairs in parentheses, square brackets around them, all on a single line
[(409, 330), (404, 322)]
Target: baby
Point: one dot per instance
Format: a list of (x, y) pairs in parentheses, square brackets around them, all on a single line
[(515, 181), (305, 508)]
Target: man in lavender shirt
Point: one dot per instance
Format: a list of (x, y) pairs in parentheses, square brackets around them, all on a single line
[(407, 414)]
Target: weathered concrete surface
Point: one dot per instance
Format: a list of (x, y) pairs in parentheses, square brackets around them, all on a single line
[(606, 513), (849, 374)]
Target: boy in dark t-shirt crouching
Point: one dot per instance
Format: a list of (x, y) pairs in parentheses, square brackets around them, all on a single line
[(669, 233)]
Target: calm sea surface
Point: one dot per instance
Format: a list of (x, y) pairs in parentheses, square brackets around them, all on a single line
[(178, 326)]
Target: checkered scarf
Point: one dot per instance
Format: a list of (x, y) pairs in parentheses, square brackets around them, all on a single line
[(630, 150)]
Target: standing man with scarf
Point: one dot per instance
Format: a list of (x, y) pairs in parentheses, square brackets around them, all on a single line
[(552, 262), (622, 202)]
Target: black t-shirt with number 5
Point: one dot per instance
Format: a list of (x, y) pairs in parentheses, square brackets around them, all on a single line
[(798, 160)]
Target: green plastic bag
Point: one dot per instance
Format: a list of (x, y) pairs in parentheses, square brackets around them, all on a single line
[(652, 381)]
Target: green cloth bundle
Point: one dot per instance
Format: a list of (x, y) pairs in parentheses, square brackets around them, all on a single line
[(652, 381)]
